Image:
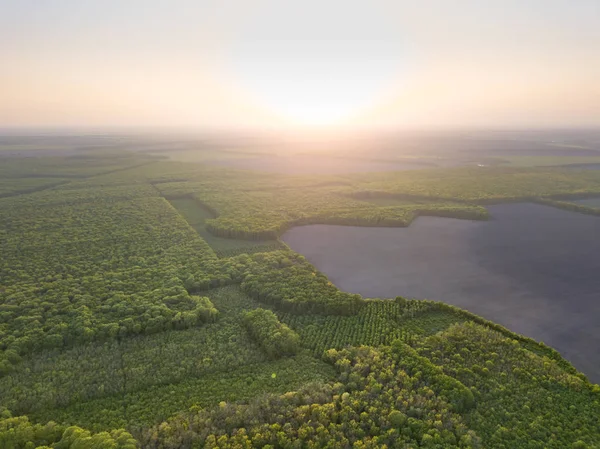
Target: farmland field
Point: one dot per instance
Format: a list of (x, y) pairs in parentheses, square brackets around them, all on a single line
[(151, 302)]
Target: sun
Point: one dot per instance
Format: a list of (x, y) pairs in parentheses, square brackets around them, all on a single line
[(317, 98), (299, 61)]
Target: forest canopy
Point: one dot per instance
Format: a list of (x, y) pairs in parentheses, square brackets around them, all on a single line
[(147, 303)]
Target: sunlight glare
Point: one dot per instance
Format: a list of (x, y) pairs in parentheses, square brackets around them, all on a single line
[(291, 62)]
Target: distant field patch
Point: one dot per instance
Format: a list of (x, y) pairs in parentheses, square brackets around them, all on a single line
[(160, 402), (315, 164), (546, 161), (391, 201), (10, 186), (202, 155), (196, 215)]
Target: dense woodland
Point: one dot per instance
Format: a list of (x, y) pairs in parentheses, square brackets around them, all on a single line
[(147, 303)]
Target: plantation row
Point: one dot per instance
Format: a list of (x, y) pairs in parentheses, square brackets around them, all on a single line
[(142, 380), (275, 338), (53, 378), (56, 242), (95, 271), (332, 414), (69, 311), (377, 323), (11, 187), (393, 396), (139, 410)]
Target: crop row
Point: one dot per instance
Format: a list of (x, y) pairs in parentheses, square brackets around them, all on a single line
[(53, 378), (71, 274), (377, 323), (397, 395)]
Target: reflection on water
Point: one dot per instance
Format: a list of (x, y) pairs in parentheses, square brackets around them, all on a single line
[(532, 268)]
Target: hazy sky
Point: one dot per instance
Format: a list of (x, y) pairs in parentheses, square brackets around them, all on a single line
[(205, 63)]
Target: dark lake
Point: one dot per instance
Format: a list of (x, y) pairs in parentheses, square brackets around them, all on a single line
[(532, 268)]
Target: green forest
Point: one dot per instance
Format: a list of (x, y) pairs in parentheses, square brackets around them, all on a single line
[(149, 303)]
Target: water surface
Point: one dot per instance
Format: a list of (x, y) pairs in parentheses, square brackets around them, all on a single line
[(591, 202), (532, 268)]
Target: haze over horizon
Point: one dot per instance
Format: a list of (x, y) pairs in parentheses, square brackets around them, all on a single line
[(267, 63)]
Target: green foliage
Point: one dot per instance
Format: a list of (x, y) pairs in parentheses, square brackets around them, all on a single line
[(529, 343), (266, 214), (196, 214), (377, 323), (572, 207), (108, 315), (541, 404), (75, 166), (95, 271), (274, 337), (55, 378), (398, 396), (477, 184), (140, 409), (431, 321), (20, 433), (263, 210), (292, 284), (376, 402), (10, 187)]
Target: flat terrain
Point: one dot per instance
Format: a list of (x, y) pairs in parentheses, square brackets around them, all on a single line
[(196, 215), (317, 164), (144, 286), (531, 268)]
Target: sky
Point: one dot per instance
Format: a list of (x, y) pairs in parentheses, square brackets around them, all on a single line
[(303, 63)]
